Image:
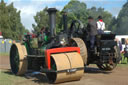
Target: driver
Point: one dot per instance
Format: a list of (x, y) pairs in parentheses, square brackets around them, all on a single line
[(42, 37), (92, 30)]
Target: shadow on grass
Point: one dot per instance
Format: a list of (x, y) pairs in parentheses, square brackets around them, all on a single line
[(8, 72), (41, 77), (37, 78), (93, 70)]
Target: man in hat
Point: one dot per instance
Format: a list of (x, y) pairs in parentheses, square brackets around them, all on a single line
[(92, 30), (100, 25)]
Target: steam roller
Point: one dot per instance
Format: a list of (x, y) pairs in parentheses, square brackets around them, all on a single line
[(49, 53), (59, 64)]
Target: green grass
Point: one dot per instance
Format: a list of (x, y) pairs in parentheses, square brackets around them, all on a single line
[(124, 61), (123, 65), (6, 78), (4, 54)]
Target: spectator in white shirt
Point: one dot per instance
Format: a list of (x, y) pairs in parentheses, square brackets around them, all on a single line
[(100, 25)]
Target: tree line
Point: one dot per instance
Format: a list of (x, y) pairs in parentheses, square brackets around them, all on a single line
[(76, 10), (11, 26), (10, 21)]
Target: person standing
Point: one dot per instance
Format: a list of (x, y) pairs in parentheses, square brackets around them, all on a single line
[(42, 37), (126, 51), (119, 44), (100, 25), (92, 31)]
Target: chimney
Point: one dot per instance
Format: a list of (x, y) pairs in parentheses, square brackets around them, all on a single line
[(52, 21), (65, 21)]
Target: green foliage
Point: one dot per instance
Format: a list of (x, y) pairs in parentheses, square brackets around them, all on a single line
[(41, 20), (122, 20), (10, 21), (119, 25), (11, 26), (76, 10), (113, 25)]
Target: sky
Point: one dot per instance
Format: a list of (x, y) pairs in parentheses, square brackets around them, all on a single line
[(29, 8)]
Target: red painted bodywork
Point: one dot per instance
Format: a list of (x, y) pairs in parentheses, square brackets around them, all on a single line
[(58, 50)]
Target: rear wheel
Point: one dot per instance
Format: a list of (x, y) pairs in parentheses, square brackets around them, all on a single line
[(109, 67), (78, 42), (106, 67)]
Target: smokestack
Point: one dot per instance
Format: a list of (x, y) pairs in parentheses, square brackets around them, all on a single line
[(65, 21), (52, 21)]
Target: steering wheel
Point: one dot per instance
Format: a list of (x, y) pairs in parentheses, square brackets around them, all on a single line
[(76, 28)]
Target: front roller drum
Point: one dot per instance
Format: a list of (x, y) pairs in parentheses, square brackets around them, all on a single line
[(63, 63), (18, 60)]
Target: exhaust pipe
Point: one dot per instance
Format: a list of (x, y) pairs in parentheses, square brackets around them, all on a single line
[(52, 21), (65, 21)]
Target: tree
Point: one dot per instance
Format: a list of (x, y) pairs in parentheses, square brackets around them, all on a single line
[(10, 21), (113, 25), (41, 20), (122, 20), (76, 10)]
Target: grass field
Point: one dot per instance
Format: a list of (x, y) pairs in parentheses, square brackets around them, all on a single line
[(6, 78), (4, 54), (123, 61)]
